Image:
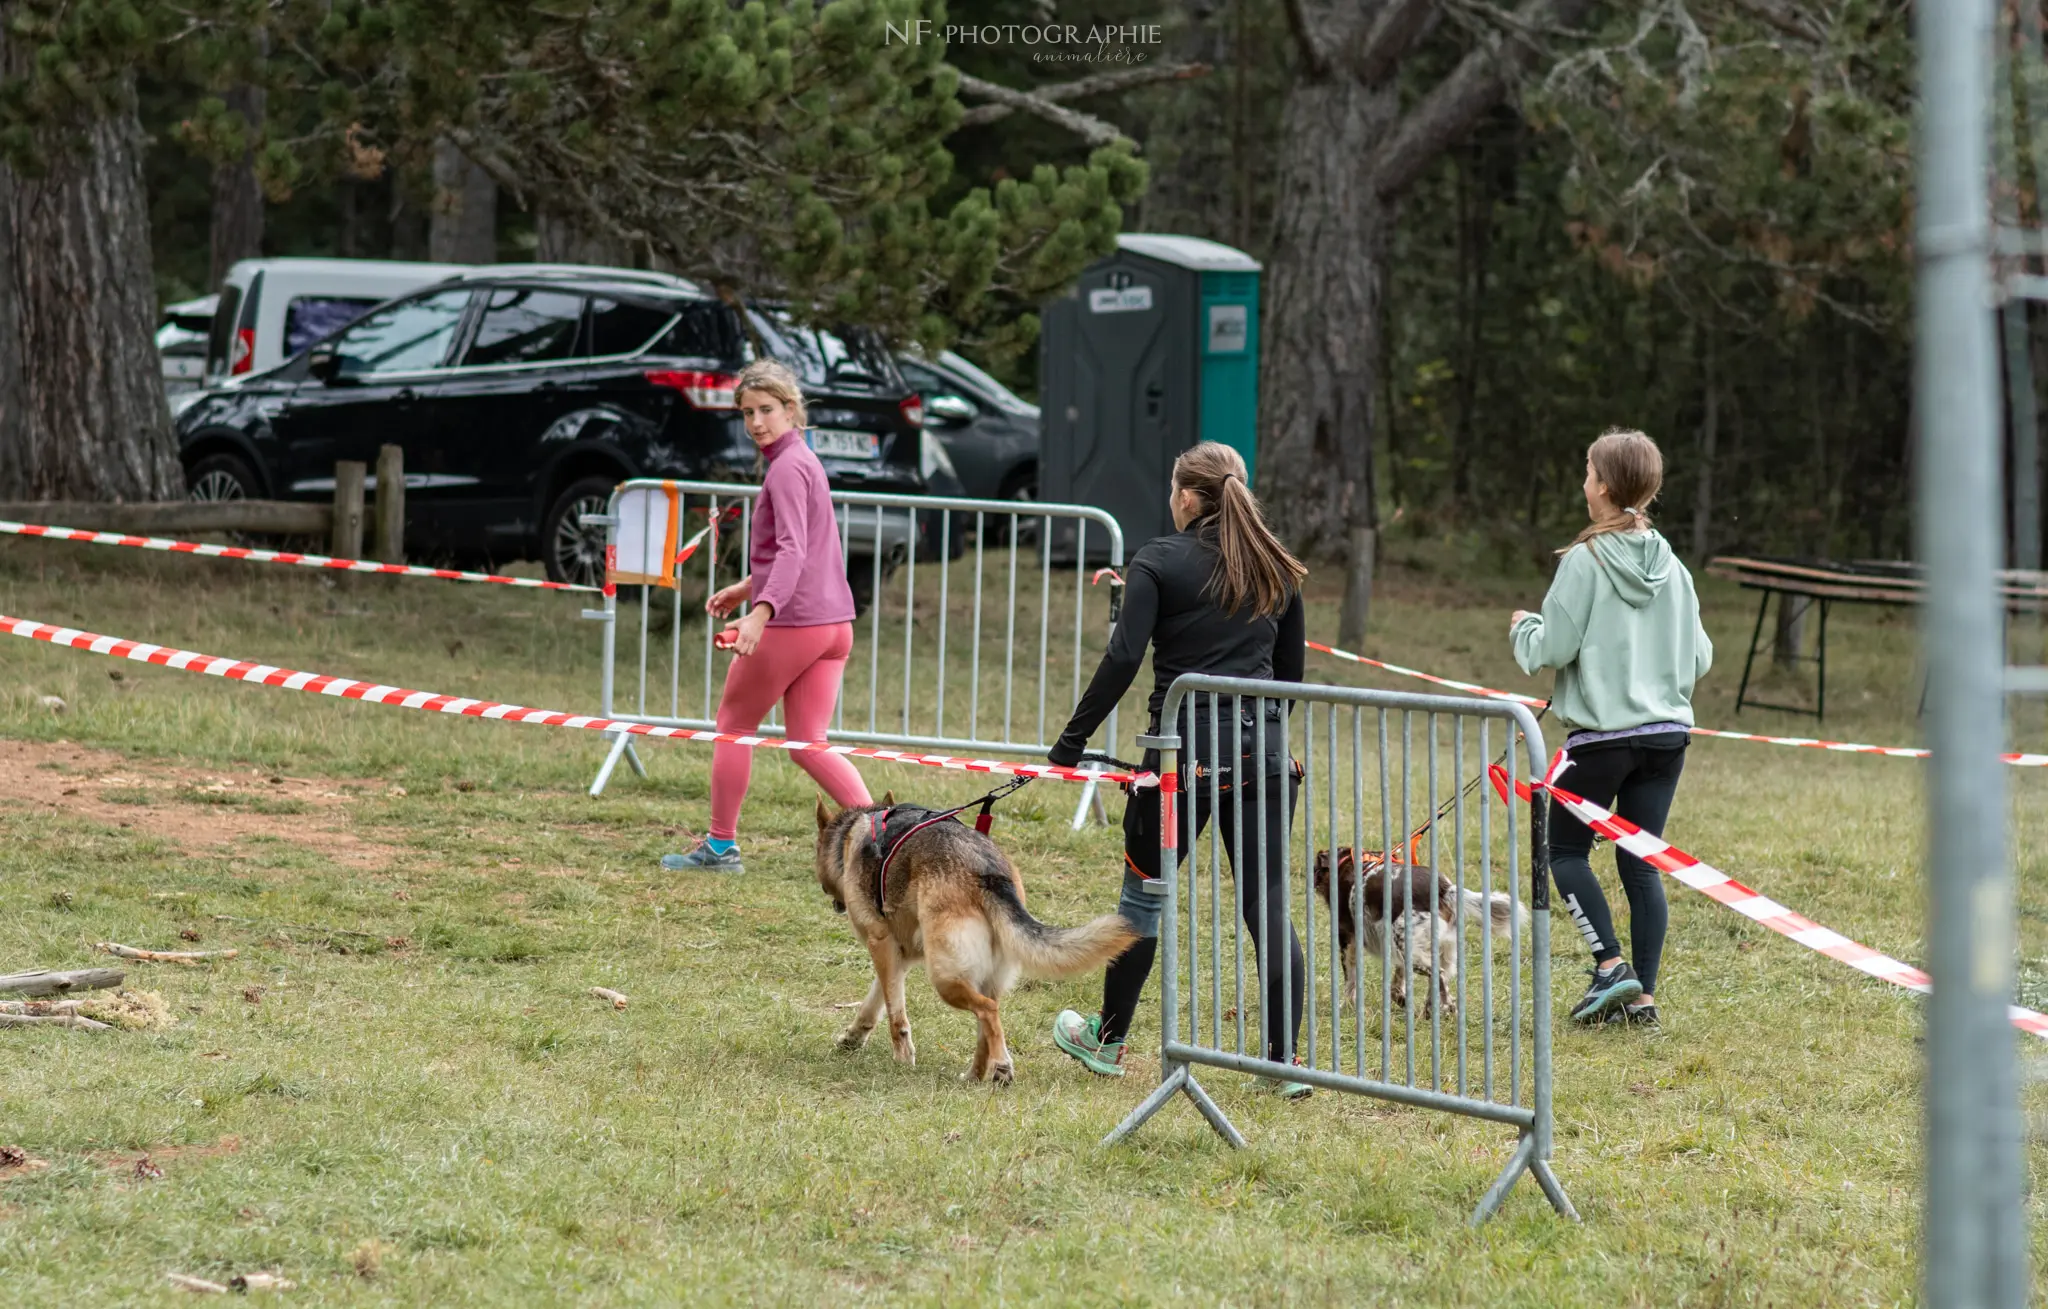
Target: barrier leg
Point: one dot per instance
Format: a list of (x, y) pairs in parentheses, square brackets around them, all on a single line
[(1209, 1110), (1177, 1078), (622, 744), (1525, 1151), (1551, 1190), (1091, 796)]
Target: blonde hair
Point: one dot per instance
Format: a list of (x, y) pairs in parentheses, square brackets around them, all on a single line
[(773, 377), (1631, 466), (1254, 570)]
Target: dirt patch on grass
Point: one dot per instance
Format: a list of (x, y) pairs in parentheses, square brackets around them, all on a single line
[(197, 809), (140, 1162)]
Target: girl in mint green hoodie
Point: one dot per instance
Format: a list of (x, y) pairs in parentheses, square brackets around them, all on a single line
[(1621, 626)]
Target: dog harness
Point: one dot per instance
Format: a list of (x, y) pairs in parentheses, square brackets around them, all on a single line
[(889, 829)]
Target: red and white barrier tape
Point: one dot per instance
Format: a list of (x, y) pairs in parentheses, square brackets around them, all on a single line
[(276, 556), (2016, 759), (1475, 689), (1717, 885), (376, 693)]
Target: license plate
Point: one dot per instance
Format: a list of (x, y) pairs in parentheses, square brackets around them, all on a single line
[(838, 443)]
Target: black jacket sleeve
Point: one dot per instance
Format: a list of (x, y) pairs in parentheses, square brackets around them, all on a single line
[(1290, 648), (1119, 666)]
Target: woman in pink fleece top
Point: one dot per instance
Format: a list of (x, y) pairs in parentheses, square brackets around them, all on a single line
[(793, 643)]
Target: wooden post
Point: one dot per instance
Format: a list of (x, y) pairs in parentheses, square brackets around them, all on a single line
[(347, 539), (390, 529)]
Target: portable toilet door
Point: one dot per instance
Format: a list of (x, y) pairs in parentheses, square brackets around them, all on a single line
[(1154, 349)]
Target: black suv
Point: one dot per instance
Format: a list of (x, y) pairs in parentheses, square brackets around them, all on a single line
[(522, 395)]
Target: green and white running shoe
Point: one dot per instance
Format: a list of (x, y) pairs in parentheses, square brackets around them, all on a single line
[(1082, 1038), (1284, 1089)]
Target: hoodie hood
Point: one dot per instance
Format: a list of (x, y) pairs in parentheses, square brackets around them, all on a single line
[(1638, 563)]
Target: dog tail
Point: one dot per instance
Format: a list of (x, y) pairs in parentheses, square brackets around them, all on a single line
[(1045, 951), (1503, 911)]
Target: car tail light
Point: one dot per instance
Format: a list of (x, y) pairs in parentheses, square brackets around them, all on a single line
[(244, 356), (912, 406), (703, 390)]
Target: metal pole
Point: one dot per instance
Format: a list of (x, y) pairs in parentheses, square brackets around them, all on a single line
[(1975, 1225)]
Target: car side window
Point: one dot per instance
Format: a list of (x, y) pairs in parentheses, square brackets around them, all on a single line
[(957, 404), (309, 318), (620, 328), (402, 338), (526, 325), (920, 379)]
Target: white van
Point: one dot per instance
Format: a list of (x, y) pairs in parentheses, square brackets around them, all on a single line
[(181, 335), (270, 309)]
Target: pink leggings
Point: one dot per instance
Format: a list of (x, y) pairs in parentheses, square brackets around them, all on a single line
[(800, 666)]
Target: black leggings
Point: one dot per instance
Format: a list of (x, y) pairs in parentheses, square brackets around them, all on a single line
[(1636, 781), (1265, 903)]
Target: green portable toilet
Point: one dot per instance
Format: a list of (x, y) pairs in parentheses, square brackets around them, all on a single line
[(1156, 347)]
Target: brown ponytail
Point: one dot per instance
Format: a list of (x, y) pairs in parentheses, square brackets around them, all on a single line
[(1254, 569), (1632, 468)]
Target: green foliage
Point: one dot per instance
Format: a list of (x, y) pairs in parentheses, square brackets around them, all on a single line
[(1766, 177), (778, 150), (1669, 222), (782, 152)]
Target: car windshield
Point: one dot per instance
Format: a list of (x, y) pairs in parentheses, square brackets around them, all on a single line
[(1003, 396), (822, 357)]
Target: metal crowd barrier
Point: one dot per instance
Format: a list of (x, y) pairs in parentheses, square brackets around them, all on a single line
[(1410, 773), (990, 645)]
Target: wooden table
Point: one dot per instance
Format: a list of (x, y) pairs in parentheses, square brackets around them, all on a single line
[(1829, 582)]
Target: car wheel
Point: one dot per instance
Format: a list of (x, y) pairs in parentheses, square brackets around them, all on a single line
[(220, 477), (571, 549)]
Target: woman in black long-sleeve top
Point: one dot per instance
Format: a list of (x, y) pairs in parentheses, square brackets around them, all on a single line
[(1220, 596)]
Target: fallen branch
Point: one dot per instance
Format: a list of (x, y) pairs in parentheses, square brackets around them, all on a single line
[(188, 957), (42, 981), (258, 1282), (199, 1284), (53, 1020), (39, 1008), (606, 993)]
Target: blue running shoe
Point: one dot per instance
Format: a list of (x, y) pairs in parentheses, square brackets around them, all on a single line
[(706, 859)]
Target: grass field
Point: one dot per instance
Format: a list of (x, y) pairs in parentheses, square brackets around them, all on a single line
[(401, 1091)]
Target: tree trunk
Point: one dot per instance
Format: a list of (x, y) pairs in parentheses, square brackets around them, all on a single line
[(237, 231), (82, 410), (464, 225), (562, 241), (1323, 328)]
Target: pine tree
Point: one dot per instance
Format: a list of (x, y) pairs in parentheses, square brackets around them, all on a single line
[(768, 150), (82, 411)]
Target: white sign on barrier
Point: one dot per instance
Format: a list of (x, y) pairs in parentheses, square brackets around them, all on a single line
[(650, 519)]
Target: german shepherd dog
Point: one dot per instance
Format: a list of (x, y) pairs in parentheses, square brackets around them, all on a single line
[(1423, 892), (957, 903)]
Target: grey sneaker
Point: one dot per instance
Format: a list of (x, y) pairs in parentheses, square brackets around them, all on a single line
[(704, 858), (1638, 1015)]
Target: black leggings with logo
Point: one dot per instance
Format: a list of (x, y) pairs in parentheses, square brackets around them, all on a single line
[(1636, 778)]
